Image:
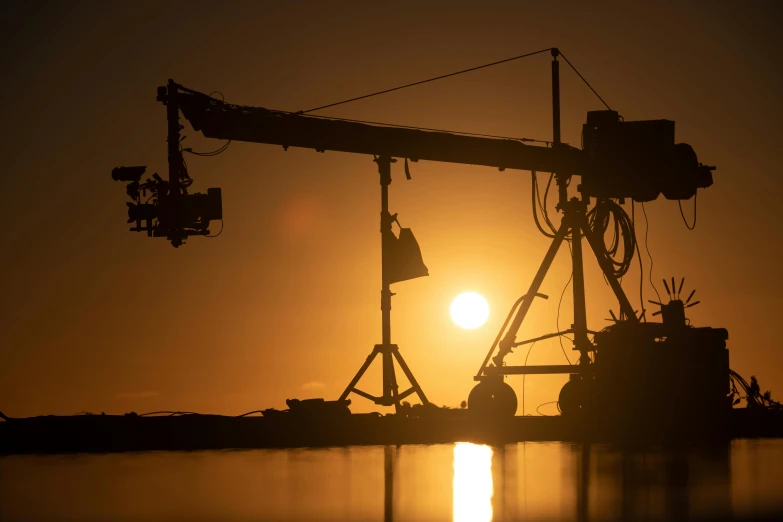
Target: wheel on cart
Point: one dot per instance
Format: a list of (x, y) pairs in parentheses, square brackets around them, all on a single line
[(493, 399), (574, 397)]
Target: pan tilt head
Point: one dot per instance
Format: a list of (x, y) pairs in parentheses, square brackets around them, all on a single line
[(153, 210)]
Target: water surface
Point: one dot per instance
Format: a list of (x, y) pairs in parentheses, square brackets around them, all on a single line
[(460, 482)]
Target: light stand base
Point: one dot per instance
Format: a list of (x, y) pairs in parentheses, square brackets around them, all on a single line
[(391, 395)]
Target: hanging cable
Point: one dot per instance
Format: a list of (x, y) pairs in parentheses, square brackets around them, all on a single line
[(211, 153), (586, 82), (649, 254), (185, 179), (426, 81), (544, 205), (538, 408), (679, 203), (169, 413), (251, 413), (599, 218), (641, 266), (523, 378), (557, 319), (537, 204), (219, 231)]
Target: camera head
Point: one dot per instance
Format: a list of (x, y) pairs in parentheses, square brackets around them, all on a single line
[(128, 173), (161, 214)]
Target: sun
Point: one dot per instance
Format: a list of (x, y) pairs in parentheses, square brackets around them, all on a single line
[(469, 310)]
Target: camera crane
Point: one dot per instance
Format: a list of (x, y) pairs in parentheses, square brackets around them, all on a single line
[(637, 160)]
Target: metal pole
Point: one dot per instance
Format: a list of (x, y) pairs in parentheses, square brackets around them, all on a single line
[(573, 211), (384, 169), (175, 163), (562, 181), (555, 97), (389, 379), (581, 342)]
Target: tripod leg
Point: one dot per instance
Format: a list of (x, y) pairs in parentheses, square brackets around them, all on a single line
[(359, 374), (595, 244), (410, 376), (505, 343), (389, 378)]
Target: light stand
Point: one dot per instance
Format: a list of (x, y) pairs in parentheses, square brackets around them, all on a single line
[(388, 351)]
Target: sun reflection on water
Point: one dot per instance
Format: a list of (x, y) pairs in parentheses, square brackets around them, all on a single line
[(472, 483)]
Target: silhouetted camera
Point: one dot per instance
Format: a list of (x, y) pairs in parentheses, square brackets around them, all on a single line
[(201, 208), (160, 215), (128, 173), (141, 211)]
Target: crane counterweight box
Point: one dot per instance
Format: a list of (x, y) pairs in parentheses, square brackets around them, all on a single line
[(638, 160)]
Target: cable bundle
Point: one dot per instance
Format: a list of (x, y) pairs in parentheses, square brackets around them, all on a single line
[(604, 213)]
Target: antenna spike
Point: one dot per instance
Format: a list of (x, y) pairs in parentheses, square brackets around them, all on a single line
[(666, 286), (690, 296), (679, 292)]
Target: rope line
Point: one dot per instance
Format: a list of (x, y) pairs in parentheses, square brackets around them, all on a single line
[(586, 82), (411, 127), (427, 81)]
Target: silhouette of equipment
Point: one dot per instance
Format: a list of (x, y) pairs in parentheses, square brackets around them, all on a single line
[(155, 216), (400, 260), (618, 373), (637, 160), (636, 361)]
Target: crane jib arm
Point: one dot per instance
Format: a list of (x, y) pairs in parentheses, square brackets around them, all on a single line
[(619, 159), (216, 119)]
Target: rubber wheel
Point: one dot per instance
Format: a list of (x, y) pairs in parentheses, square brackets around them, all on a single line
[(493, 399), (573, 398)]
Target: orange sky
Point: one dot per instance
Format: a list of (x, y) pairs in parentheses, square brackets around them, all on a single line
[(285, 302)]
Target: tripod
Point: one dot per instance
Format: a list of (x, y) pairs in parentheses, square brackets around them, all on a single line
[(492, 395), (390, 394)]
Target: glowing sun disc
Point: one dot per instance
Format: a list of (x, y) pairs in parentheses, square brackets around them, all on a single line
[(469, 310)]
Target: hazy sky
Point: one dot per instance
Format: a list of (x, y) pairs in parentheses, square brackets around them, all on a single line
[(285, 303)]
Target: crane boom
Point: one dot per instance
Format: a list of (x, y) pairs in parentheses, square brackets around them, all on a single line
[(637, 159), (216, 119)]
